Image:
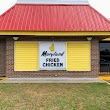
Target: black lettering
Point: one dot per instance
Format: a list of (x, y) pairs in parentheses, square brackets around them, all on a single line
[(43, 64), (47, 59), (50, 60), (61, 64), (44, 53), (46, 64), (51, 64), (57, 64), (62, 54), (58, 59), (54, 64), (52, 54)]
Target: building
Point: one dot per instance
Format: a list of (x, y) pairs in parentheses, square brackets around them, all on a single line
[(51, 40)]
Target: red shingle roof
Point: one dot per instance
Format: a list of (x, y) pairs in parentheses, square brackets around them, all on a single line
[(27, 17)]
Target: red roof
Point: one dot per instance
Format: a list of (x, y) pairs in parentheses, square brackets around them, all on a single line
[(28, 17)]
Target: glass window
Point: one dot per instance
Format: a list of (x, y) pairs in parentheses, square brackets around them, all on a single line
[(105, 52)]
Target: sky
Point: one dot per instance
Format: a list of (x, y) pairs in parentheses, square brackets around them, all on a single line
[(6, 4), (103, 6)]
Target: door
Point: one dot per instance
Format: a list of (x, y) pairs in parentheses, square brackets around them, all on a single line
[(105, 57)]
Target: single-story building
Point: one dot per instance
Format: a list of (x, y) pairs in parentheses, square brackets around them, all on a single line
[(51, 40)]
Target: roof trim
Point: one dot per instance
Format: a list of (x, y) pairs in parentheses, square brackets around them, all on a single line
[(106, 39), (52, 2), (100, 14), (66, 34)]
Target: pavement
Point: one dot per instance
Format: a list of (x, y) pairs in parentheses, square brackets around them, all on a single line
[(52, 80)]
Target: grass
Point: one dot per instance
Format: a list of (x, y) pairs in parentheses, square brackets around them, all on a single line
[(95, 96)]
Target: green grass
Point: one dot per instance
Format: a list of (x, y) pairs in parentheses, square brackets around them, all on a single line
[(95, 96)]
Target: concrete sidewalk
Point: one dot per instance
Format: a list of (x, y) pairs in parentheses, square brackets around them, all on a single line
[(52, 80)]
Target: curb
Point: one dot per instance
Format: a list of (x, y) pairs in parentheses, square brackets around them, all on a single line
[(52, 80)]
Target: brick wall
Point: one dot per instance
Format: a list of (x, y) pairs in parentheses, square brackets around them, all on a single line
[(10, 59), (2, 57)]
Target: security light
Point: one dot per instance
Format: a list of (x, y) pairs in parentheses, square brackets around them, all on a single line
[(89, 38), (15, 38)]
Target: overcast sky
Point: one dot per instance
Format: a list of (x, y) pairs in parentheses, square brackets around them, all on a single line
[(103, 6)]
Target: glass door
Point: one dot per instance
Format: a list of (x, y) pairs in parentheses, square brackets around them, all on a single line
[(105, 57)]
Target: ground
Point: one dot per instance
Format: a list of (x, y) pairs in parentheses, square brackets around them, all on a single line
[(94, 96)]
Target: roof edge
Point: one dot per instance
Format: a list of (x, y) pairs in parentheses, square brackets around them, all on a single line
[(7, 11), (7, 7), (100, 14), (57, 33), (53, 2)]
